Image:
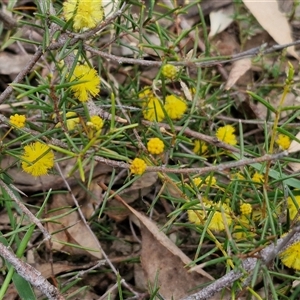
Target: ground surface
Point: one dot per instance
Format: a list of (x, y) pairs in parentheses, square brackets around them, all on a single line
[(220, 191)]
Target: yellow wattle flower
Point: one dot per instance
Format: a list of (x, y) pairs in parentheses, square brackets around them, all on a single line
[(138, 166), (96, 122), (71, 120), (155, 146), (152, 110), (169, 71), (200, 147), (37, 159), (221, 213), (217, 221), (293, 206), (246, 208), (86, 14), (290, 257), (88, 82), (257, 177), (18, 120), (226, 135), (175, 107), (146, 94), (283, 141)]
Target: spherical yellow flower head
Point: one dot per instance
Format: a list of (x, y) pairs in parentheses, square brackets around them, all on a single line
[(138, 166), (200, 147), (238, 232), (217, 223), (290, 257), (18, 120), (197, 181), (220, 218), (155, 146), (257, 177), (237, 176), (175, 107), (211, 180), (96, 122), (152, 110), (202, 209), (169, 71), (37, 159), (193, 91), (293, 209), (226, 135), (242, 229), (246, 209), (283, 141), (220, 214), (89, 82), (85, 13), (146, 94), (193, 217), (72, 120)]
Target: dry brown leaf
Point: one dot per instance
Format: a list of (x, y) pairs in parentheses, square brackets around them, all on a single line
[(140, 187), (186, 90), (162, 260), (163, 239), (84, 237), (269, 16), (12, 63), (71, 229), (76, 292), (140, 279), (92, 199), (226, 43), (54, 269), (116, 211), (11, 293), (239, 68), (294, 166), (220, 20), (134, 41), (294, 146), (109, 7), (296, 283), (166, 270)]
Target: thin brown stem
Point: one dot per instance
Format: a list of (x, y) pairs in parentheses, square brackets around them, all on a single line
[(31, 275), (220, 167)]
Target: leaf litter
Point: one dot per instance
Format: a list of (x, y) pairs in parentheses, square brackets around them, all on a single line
[(163, 263)]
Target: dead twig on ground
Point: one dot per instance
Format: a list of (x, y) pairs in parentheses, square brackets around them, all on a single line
[(30, 274), (25, 210)]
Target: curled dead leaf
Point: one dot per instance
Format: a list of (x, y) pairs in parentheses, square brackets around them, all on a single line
[(239, 68), (220, 19), (164, 263), (269, 16), (295, 145), (69, 229), (166, 269)]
